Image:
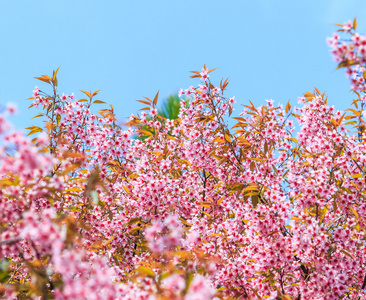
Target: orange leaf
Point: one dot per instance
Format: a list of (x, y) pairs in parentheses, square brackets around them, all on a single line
[(156, 98), (95, 93), (44, 78), (239, 119), (288, 107), (86, 93), (144, 102), (55, 73), (227, 137)]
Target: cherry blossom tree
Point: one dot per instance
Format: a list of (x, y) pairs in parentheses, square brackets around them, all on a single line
[(196, 210)]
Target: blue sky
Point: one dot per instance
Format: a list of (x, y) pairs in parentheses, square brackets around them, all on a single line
[(131, 49)]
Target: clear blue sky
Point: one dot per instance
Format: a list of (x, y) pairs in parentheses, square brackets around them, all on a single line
[(130, 49)]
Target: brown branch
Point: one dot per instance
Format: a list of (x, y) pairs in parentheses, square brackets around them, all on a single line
[(10, 241)]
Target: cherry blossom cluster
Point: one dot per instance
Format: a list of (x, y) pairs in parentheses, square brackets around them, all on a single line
[(186, 208), (348, 48)]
